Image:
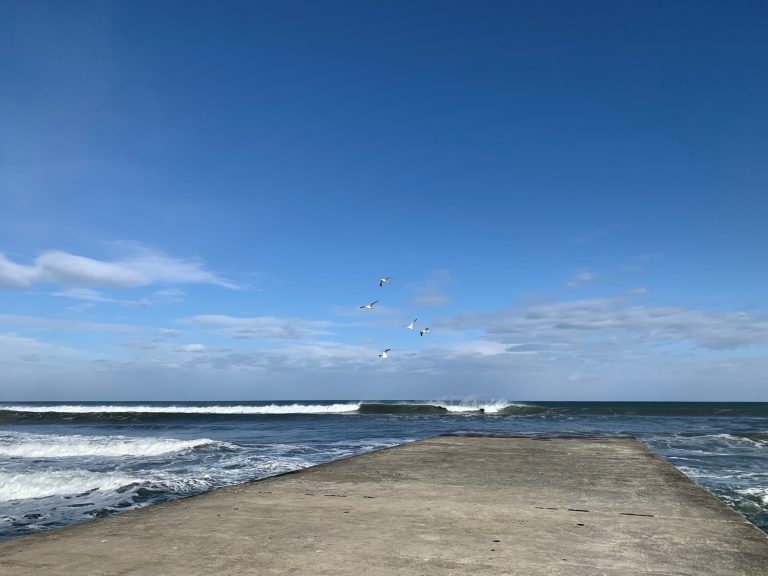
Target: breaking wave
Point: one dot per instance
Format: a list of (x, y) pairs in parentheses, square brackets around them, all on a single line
[(45, 446), (182, 409), (76, 482), (136, 412)]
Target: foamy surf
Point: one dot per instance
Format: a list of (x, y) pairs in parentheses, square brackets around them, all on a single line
[(760, 494), (487, 408), (52, 446), (60, 483), (337, 408)]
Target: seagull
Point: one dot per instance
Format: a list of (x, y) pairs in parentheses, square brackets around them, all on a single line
[(423, 331), (410, 326), (370, 306), (384, 354), (384, 281)]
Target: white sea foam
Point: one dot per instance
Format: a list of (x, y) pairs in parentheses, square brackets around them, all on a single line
[(21, 445), (760, 493), (41, 484), (489, 408), (222, 409)]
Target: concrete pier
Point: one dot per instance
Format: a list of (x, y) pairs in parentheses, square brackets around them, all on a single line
[(447, 505)]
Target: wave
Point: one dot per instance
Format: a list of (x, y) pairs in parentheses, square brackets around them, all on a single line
[(155, 411), (706, 443), (54, 413), (133, 412), (684, 409), (756, 492), (43, 446), (180, 409), (43, 484), (384, 408), (436, 408), (757, 437)]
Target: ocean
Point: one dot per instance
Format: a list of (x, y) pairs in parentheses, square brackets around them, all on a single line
[(63, 463)]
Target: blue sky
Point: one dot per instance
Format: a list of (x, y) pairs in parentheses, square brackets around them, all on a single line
[(196, 198)]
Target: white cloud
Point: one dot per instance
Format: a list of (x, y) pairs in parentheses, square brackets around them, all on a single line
[(588, 324), (261, 327), (169, 295), (14, 275), (86, 294), (604, 348), (82, 307), (14, 348), (475, 347), (90, 296), (488, 366), (194, 348), (143, 268), (63, 325), (169, 333), (69, 269), (580, 278)]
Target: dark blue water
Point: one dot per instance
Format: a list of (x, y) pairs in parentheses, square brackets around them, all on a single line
[(63, 463)]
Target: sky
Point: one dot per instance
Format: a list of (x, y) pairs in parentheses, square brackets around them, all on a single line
[(197, 197)]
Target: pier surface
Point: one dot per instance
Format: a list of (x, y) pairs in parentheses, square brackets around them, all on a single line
[(448, 505)]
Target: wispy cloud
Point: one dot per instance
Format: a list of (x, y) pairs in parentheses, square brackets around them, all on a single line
[(170, 333), (430, 293), (640, 263), (581, 324), (261, 327), (86, 294), (14, 275), (64, 325), (22, 348), (581, 278), (144, 267), (194, 348), (91, 297)]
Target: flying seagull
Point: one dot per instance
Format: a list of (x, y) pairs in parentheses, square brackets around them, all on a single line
[(370, 306), (410, 326), (384, 281), (423, 331), (384, 354)]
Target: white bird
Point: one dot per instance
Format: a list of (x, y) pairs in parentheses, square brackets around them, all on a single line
[(370, 306), (384, 354), (384, 281), (410, 326), (423, 331)]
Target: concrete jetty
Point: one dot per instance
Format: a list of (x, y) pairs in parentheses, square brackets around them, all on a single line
[(447, 505)]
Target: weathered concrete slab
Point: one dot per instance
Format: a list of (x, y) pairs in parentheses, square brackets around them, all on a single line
[(447, 505)]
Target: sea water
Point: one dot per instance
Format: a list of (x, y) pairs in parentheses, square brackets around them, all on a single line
[(64, 463)]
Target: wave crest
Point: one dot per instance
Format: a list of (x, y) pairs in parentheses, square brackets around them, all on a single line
[(178, 409), (42, 446), (42, 484)]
